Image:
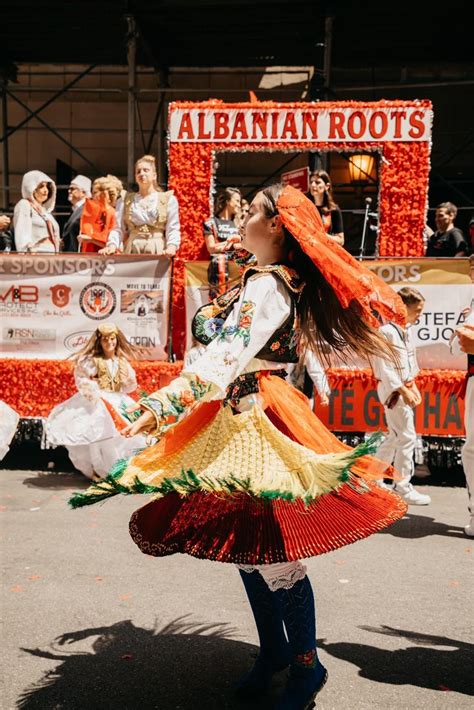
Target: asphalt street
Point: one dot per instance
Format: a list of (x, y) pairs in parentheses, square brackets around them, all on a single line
[(90, 622)]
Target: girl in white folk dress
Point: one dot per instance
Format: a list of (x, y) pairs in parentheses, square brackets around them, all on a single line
[(89, 423)]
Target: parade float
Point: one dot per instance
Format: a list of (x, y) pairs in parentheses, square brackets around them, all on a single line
[(50, 305)]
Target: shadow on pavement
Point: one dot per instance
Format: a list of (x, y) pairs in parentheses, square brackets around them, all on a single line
[(183, 665), (57, 481), (30, 456), (419, 665), (414, 526)]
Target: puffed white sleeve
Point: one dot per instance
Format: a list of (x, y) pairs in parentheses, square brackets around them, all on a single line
[(84, 375), (22, 225), (263, 306), (173, 229), (317, 373), (116, 234)]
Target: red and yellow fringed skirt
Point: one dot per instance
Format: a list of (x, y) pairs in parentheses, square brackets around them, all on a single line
[(268, 485)]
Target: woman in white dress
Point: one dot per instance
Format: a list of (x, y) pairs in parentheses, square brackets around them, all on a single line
[(36, 230), (147, 220), (8, 423), (89, 423)]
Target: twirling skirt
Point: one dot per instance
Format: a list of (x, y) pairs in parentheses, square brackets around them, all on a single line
[(271, 484), (91, 431)]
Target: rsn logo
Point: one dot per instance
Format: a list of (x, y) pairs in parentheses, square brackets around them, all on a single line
[(20, 294)]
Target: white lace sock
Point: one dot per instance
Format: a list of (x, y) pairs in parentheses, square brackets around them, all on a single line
[(282, 575)]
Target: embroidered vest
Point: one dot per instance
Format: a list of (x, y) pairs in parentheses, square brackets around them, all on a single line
[(105, 380), (283, 344), (156, 228)]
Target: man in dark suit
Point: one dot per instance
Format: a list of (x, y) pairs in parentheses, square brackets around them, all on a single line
[(79, 189), (6, 236)]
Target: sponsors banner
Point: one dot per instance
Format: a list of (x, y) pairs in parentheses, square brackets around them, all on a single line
[(50, 305), (306, 123)]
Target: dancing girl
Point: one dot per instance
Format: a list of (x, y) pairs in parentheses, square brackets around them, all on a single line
[(244, 472)]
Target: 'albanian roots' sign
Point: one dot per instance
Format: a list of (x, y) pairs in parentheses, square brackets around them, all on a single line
[(398, 131)]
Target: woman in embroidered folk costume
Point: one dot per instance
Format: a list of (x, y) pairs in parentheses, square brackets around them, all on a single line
[(250, 475), (147, 220), (89, 423)]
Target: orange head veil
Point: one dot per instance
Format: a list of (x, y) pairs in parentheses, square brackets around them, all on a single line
[(350, 280)]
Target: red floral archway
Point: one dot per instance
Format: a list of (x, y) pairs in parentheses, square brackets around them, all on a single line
[(399, 130)]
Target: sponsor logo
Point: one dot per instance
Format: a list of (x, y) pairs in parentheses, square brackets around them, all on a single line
[(143, 341), (97, 300), (75, 341), (21, 334), (26, 293), (60, 295), (141, 303)]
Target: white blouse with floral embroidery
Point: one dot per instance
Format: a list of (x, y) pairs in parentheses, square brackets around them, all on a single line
[(262, 308)]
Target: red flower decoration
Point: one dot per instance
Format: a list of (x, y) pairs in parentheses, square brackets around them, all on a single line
[(402, 200), (34, 387)]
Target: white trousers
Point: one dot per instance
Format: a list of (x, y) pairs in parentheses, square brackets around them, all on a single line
[(399, 446), (282, 575), (467, 451)]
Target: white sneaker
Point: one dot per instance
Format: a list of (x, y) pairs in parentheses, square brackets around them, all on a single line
[(386, 486), (469, 529), (411, 496)]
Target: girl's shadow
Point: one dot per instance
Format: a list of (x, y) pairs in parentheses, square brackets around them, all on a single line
[(428, 661), (179, 666)]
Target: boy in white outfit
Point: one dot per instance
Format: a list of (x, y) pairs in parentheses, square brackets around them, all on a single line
[(399, 395)]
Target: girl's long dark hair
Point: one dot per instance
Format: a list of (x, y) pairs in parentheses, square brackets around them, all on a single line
[(327, 327)]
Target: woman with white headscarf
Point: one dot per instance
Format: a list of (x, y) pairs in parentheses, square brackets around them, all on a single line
[(36, 230)]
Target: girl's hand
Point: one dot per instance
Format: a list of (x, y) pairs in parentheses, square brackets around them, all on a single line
[(409, 397), (106, 251), (418, 395), (146, 421)]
